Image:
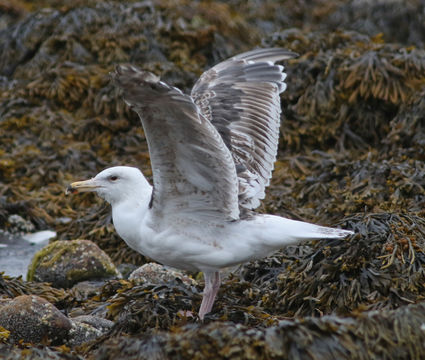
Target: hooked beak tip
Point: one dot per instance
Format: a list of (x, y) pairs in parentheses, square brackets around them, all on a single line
[(70, 190), (81, 186)]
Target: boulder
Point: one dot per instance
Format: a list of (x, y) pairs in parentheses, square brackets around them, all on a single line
[(33, 319), (65, 263)]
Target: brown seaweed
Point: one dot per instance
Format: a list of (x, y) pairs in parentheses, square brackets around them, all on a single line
[(352, 148), (382, 266), (375, 334), (13, 287)]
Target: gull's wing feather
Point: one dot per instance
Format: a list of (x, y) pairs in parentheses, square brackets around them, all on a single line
[(193, 170), (240, 97)]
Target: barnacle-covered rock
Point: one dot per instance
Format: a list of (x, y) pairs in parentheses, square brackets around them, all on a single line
[(155, 273), (87, 328), (98, 323), (65, 263), (32, 319), (18, 224)]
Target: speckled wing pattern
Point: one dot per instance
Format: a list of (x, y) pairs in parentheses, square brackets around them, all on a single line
[(193, 170), (240, 97)]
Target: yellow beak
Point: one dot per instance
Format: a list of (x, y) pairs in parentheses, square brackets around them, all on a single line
[(81, 186)]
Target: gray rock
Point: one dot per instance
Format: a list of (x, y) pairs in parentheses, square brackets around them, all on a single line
[(86, 289), (97, 322), (126, 269), (81, 333), (65, 263), (19, 224), (86, 328), (155, 273), (32, 319)]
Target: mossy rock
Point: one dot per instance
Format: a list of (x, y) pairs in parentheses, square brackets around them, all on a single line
[(65, 263)]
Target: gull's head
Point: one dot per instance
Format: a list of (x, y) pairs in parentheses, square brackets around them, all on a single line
[(114, 184)]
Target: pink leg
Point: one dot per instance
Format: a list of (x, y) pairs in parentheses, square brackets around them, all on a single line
[(212, 284)]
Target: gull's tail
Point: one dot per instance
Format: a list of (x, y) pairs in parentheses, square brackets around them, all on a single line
[(277, 232)]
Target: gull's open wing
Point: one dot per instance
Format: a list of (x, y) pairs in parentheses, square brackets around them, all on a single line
[(193, 170), (240, 97)]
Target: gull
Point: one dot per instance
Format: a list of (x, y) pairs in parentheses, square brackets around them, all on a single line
[(212, 154)]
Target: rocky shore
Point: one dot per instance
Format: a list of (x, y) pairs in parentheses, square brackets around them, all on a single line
[(352, 154)]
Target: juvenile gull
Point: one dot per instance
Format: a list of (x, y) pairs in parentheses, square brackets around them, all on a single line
[(212, 155)]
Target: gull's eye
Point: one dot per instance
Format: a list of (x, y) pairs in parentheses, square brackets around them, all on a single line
[(113, 178)]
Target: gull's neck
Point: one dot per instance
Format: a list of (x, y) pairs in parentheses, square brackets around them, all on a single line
[(129, 213)]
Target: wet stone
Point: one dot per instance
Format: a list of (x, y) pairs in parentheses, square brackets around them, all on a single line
[(155, 273), (97, 322), (86, 328), (86, 289), (33, 319), (126, 269), (81, 333), (19, 224), (65, 263)]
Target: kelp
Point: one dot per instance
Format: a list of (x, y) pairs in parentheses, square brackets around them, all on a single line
[(60, 113), (382, 266), (319, 186), (398, 21), (352, 87), (27, 351), (385, 335), (13, 287), (149, 307), (351, 155)]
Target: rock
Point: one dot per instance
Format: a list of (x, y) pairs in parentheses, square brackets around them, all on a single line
[(32, 319), (126, 269), (97, 322), (19, 224), (65, 263), (86, 289), (81, 333), (86, 328), (155, 273)]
